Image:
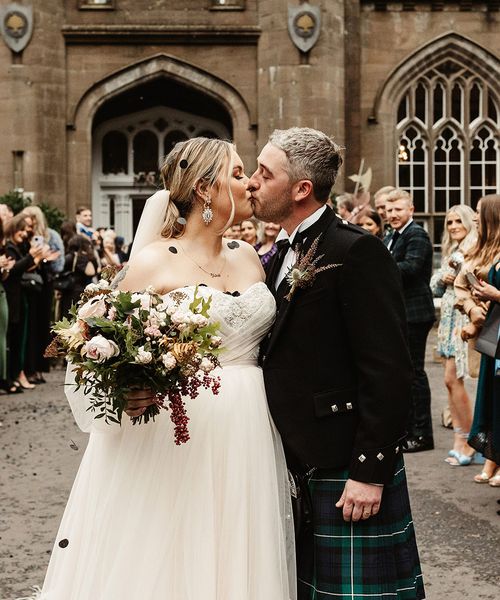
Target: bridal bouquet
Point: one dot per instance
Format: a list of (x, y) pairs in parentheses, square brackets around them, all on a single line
[(120, 341)]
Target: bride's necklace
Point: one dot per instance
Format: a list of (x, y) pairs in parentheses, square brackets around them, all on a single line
[(211, 273)]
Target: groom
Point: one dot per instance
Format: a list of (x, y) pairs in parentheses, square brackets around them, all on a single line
[(338, 377)]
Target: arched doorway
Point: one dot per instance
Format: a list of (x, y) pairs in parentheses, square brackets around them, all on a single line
[(132, 133)]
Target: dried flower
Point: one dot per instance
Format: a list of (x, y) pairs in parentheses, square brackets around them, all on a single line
[(303, 273)]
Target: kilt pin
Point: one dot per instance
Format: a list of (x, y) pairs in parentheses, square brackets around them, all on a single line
[(338, 378)]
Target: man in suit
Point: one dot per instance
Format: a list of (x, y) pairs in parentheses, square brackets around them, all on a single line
[(338, 378), (411, 248)]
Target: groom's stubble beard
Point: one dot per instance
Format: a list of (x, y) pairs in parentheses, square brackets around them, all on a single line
[(277, 209)]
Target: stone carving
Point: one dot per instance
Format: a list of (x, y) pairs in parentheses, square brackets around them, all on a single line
[(16, 25), (304, 24)]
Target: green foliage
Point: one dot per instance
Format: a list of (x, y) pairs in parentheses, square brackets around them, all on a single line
[(15, 201), (54, 216)]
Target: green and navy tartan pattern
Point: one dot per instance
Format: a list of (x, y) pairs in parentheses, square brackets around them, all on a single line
[(375, 559)]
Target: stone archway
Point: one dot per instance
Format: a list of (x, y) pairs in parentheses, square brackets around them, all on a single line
[(82, 114)]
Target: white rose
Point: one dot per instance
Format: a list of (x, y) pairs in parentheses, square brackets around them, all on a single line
[(180, 316), (207, 365), (199, 320), (169, 361), (171, 310), (100, 349), (95, 307), (143, 356), (103, 284), (144, 299)]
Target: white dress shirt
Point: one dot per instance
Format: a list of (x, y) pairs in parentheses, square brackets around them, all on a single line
[(400, 231), (290, 257)]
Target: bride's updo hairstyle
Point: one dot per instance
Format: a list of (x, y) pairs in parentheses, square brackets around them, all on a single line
[(198, 160)]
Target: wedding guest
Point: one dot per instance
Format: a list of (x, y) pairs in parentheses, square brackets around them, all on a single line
[(5, 266), (16, 234), (250, 232), (267, 249), (84, 221), (370, 220), (40, 303), (380, 199), (233, 232), (109, 256), (476, 300), (411, 248), (81, 260), (122, 250), (345, 206), (67, 231), (459, 236)]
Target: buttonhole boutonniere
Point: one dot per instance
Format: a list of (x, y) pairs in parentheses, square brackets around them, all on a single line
[(303, 273)]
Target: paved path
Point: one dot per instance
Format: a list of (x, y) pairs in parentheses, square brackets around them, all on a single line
[(456, 523)]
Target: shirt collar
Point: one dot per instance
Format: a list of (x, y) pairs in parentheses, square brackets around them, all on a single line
[(400, 231), (310, 220)]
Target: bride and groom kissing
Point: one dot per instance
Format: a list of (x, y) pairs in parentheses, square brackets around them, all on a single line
[(293, 482)]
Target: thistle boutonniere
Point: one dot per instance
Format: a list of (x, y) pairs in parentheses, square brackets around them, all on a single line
[(303, 273)]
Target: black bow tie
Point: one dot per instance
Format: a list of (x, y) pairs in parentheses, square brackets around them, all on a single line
[(285, 245)]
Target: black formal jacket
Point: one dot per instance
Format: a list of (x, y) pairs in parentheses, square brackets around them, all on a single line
[(13, 288), (413, 255), (336, 365)]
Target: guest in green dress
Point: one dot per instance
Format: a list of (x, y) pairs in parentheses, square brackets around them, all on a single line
[(485, 430)]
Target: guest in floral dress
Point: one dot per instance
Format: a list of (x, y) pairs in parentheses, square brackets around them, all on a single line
[(459, 236)]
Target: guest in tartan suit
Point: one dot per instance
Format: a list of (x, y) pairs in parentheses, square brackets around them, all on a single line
[(411, 248), (338, 380)]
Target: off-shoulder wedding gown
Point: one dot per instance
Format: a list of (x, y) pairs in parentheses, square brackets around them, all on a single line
[(207, 520)]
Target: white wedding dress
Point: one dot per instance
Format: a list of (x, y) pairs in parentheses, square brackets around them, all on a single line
[(207, 520)]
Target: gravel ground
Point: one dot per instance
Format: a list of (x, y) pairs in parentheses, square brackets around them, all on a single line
[(457, 527)]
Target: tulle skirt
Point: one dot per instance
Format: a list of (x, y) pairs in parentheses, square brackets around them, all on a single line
[(209, 519)]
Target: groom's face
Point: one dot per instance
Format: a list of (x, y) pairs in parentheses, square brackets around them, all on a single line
[(270, 187)]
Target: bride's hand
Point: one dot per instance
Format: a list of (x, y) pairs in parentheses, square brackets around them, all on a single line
[(138, 401)]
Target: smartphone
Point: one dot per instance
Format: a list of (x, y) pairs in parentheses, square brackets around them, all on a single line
[(472, 279), (38, 240)]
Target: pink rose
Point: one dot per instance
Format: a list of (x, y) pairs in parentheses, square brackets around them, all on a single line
[(100, 349)]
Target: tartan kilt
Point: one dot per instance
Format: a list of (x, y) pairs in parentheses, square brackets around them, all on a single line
[(376, 558)]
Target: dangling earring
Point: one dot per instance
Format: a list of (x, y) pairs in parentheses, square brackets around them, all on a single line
[(207, 215)]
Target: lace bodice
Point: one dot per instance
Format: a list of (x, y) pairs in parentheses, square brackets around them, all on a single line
[(243, 319)]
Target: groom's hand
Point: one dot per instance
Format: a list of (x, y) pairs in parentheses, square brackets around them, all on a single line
[(360, 500), (138, 401)]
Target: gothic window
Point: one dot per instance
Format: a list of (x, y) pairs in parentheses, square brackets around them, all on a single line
[(448, 141), (114, 153), (172, 138), (145, 152)]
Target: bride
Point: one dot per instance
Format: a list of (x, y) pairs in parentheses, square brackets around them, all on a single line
[(209, 519)]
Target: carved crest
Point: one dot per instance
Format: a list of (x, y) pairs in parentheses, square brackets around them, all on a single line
[(304, 23), (16, 25)]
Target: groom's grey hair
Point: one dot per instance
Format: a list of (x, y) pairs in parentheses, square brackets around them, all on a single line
[(311, 154)]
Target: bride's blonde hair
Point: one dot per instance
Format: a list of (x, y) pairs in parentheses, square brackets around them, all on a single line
[(196, 160)]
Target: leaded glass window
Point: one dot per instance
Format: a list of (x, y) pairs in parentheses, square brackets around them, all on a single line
[(448, 141)]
